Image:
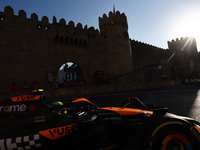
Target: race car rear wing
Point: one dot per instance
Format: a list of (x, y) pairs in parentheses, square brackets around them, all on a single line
[(37, 95)]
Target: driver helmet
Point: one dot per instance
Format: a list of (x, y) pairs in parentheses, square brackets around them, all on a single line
[(58, 111)]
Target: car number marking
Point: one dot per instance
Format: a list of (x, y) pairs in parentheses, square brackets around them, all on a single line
[(56, 133)]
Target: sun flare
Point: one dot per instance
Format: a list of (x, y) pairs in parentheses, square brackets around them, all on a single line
[(189, 26)]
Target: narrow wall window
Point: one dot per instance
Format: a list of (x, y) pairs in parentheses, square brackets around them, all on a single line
[(56, 38), (80, 43), (46, 27), (71, 42), (76, 42), (84, 44), (61, 40), (1, 17), (66, 40), (39, 26)]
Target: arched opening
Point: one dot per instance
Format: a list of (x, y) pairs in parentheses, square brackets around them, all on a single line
[(69, 74)]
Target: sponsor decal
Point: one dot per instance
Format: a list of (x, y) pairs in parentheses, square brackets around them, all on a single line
[(28, 142), (135, 119), (56, 133), (195, 133), (39, 119), (13, 108), (112, 118), (25, 98), (32, 107)]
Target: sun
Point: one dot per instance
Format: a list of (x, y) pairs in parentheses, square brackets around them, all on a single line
[(188, 26)]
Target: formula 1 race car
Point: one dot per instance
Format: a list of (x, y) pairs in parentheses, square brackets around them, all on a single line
[(31, 122)]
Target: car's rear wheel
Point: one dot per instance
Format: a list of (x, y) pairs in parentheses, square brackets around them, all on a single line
[(176, 141), (173, 140)]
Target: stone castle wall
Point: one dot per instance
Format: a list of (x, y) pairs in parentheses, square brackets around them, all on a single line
[(29, 47), (144, 55), (180, 61)]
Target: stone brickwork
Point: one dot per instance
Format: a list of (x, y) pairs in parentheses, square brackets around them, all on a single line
[(116, 44), (144, 54), (179, 61), (28, 47), (185, 58)]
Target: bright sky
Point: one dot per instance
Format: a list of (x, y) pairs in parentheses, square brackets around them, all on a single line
[(150, 21)]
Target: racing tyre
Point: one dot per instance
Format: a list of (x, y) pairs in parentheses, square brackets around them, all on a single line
[(174, 139)]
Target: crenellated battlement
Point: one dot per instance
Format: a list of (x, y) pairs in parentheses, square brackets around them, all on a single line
[(139, 43), (117, 19), (74, 41), (44, 23), (180, 42), (59, 32)]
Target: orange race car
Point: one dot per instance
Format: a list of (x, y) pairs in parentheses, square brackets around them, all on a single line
[(31, 122)]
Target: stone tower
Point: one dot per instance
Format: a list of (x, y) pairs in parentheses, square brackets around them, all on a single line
[(116, 45), (185, 59)]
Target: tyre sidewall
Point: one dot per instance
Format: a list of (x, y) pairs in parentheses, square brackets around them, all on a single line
[(157, 140)]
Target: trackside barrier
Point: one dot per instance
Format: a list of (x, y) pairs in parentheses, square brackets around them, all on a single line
[(95, 89)]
